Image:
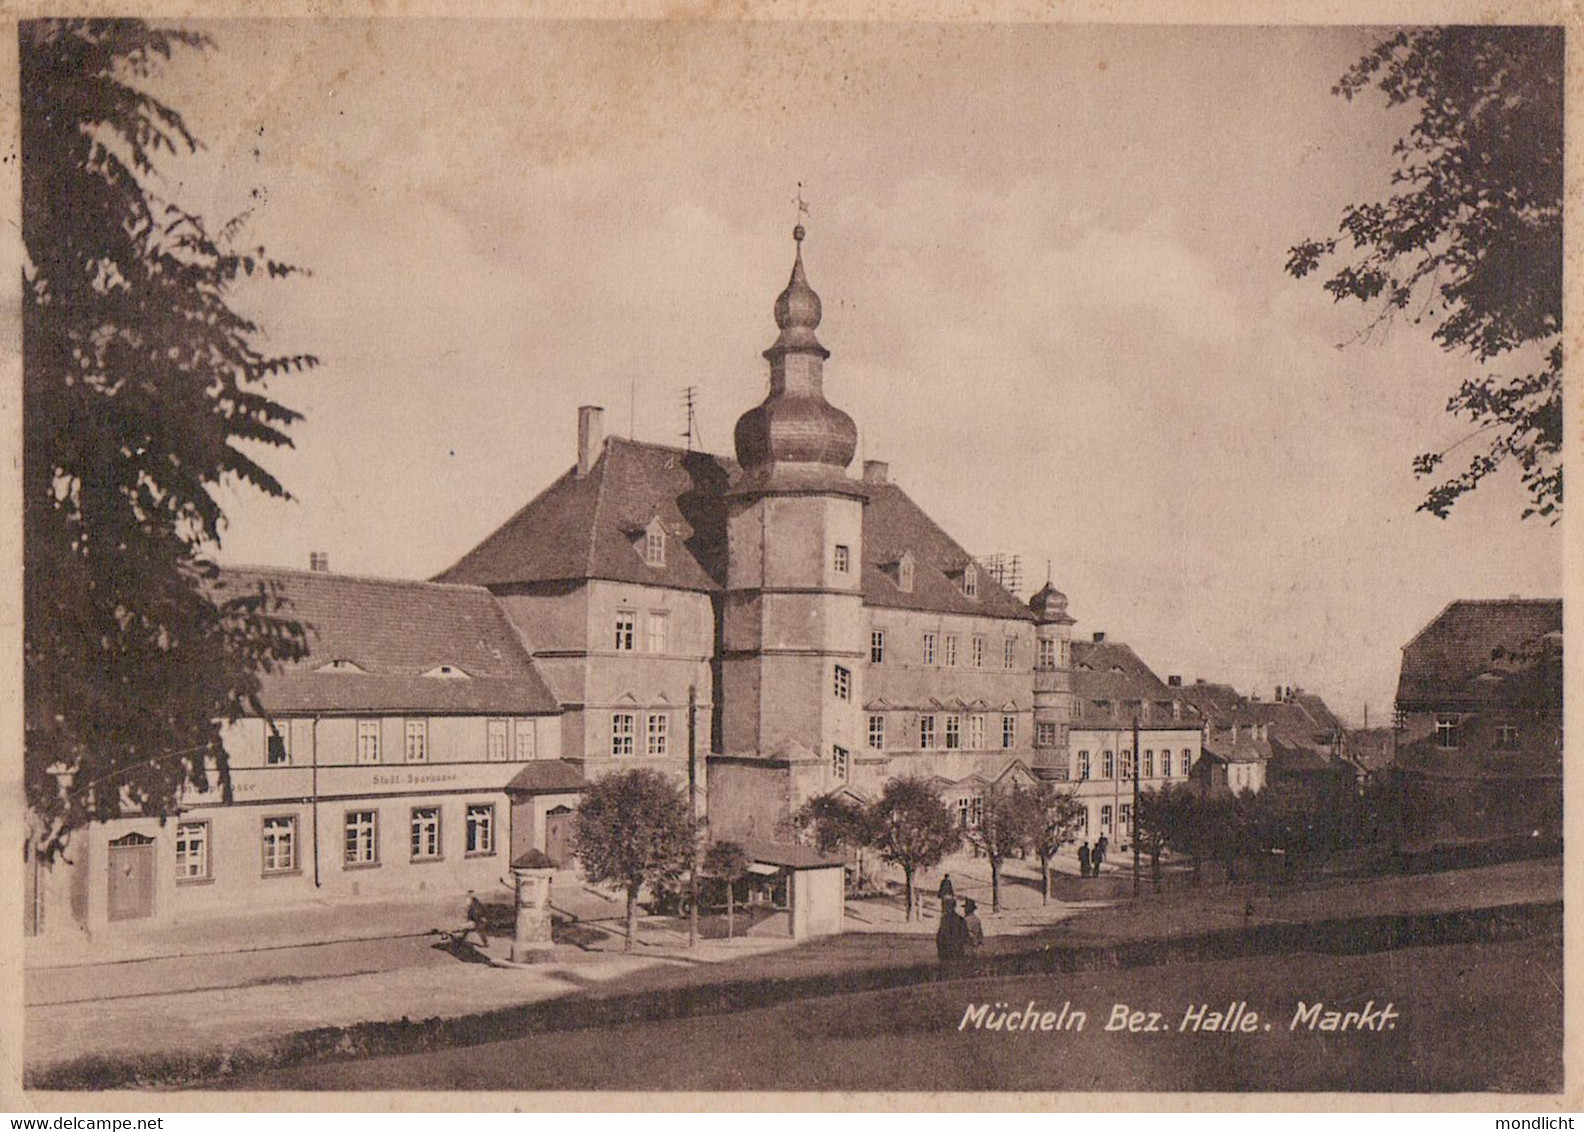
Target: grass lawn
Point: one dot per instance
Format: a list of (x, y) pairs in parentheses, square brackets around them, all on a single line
[(1469, 1018)]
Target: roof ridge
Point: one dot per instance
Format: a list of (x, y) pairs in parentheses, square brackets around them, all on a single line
[(635, 443), (984, 575), (601, 468), (508, 521), (298, 571)]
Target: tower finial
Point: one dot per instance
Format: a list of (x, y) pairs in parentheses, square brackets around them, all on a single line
[(802, 211)]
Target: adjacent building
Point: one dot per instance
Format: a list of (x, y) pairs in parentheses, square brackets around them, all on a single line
[(1478, 732)]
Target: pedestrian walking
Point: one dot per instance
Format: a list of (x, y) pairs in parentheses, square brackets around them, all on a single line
[(1083, 859), (946, 891), (1099, 854), (972, 925), (477, 916)]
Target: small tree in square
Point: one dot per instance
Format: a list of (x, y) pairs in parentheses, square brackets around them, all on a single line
[(727, 862), (634, 828), (1056, 818), (1006, 824), (913, 829), (833, 823)]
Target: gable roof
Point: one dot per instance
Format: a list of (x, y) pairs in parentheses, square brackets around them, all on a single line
[(583, 527), (394, 631), (1213, 701), (1484, 651), (1111, 671)]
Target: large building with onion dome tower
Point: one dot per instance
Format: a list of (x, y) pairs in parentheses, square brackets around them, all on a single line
[(831, 635)]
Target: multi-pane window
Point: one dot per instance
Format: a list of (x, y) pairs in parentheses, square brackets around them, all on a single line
[(877, 647), (277, 743), (971, 582), (1009, 652), (368, 739), (525, 740), (962, 812), (929, 648), (953, 732), (877, 732), (842, 683), (659, 734), (1107, 765), (841, 559), (480, 830), (976, 656), (976, 732), (905, 575), (975, 810), (654, 546), (1083, 765), (658, 636), (417, 740), (280, 845), (361, 839), (1447, 731), (192, 850), (1127, 765), (426, 833), (951, 651), (1187, 761), (622, 726), (1105, 817), (1506, 736), (626, 629), (1166, 764), (1044, 734), (495, 740), (926, 731), (1125, 815), (1008, 732), (1047, 656), (840, 764), (1149, 765)]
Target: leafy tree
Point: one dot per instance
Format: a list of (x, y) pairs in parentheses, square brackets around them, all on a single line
[(634, 828), (913, 829), (1006, 826), (727, 862), (1470, 242), (1056, 819), (834, 823), (141, 385)]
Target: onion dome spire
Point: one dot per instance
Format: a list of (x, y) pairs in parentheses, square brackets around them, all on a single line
[(796, 438)]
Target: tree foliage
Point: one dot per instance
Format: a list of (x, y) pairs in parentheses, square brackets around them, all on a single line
[(141, 386), (833, 823), (913, 829), (1470, 241), (1008, 821), (633, 828)]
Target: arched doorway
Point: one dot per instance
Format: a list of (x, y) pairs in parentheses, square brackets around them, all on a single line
[(558, 836), (131, 891)]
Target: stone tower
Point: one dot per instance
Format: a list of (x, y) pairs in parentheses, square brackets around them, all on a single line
[(792, 624), (1052, 677)]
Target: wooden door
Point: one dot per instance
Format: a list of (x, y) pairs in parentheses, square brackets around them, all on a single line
[(131, 877), (558, 836)]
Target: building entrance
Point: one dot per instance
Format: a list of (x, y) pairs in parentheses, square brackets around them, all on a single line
[(131, 877), (558, 836)]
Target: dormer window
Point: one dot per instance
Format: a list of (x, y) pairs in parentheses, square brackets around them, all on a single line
[(338, 665), (654, 543), (971, 581), (447, 672), (905, 574)]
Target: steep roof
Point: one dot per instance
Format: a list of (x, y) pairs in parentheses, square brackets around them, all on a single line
[(590, 527), (1112, 672), (389, 633), (1213, 701), (1485, 652), (893, 525)]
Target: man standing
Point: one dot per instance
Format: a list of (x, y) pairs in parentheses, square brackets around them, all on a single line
[(972, 925), (1083, 859), (1100, 852)]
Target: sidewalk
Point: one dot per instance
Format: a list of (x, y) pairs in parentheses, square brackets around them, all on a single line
[(422, 982)]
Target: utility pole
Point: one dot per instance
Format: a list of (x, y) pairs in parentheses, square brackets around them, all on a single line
[(693, 889), (1137, 764)]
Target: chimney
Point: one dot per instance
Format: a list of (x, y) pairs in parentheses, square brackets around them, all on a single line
[(1281, 694), (1099, 638), (876, 471), (590, 436), (319, 561), (1174, 681)]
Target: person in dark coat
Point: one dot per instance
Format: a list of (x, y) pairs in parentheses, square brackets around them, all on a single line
[(1099, 855), (1083, 859), (951, 938), (946, 890), (972, 925), (477, 916)]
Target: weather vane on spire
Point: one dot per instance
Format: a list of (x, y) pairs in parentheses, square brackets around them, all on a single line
[(803, 210)]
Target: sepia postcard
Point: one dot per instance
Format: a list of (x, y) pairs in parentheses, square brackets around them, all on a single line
[(810, 559)]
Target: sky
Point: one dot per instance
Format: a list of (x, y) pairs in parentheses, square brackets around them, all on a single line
[(1051, 261)]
